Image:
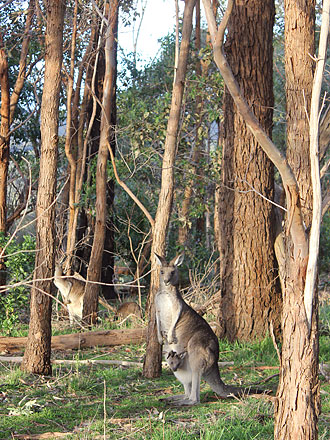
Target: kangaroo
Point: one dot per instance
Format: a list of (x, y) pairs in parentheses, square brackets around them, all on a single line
[(128, 308), (72, 291), (178, 362), (178, 323)]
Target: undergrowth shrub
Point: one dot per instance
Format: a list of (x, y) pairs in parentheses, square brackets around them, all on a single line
[(19, 262)]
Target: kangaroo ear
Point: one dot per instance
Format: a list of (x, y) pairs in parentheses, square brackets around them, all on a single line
[(177, 261), (170, 354), (160, 260)]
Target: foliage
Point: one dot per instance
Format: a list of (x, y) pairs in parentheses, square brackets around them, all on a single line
[(20, 263), (143, 106), (12, 20), (325, 244)]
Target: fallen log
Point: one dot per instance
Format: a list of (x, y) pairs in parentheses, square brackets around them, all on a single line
[(81, 340), (128, 364), (45, 435)]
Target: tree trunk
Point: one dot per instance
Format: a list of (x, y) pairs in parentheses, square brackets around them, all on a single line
[(4, 151), (71, 152), (297, 406), (298, 401), (37, 354), (152, 364), (109, 93), (196, 147), (8, 106), (250, 294), (299, 69), (86, 223)]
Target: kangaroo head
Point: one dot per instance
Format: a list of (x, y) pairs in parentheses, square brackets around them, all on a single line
[(169, 274), (175, 360), (58, 270)]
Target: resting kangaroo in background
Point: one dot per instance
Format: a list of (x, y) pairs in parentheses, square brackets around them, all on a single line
[(72, 291), (182, 330)]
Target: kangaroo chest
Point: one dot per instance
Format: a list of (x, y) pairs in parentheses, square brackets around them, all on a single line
[(166, 306)]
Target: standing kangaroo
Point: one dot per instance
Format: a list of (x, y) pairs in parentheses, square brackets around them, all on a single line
[(72, 291), (192, 346)]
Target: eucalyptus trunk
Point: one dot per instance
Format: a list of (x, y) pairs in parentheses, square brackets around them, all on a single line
[(109, 93), (298, 400), (250, 295), (152, 362), (37, 353)]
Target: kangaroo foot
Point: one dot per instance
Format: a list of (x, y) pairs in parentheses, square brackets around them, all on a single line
[(173, 398), (185, 402)]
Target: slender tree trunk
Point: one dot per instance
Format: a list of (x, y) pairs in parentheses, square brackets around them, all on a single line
[(22, 62), (8, 106), (195, 154), (152, 364), (109, 92), (94, 81), (4, 152), (250, 295), (4, 138), (37, 354), (71, 152)]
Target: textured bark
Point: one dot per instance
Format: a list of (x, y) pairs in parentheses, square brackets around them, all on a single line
[(37, 354), (297, 406), (152, 364), (298, 403), (299, 68), (250, 295), (109, 93)]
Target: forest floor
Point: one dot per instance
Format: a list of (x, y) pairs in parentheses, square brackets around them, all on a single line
[(93, 401)]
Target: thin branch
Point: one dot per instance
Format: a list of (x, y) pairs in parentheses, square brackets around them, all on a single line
[(22, 62), (23, 197), (3, 250), (295, 224), (129, 192), (314, 240), (28, 117)]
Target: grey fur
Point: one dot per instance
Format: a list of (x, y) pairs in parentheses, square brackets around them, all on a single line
[(181, 330), (72, 291)]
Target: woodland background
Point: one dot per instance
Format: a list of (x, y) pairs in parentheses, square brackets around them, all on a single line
[(156, 159)]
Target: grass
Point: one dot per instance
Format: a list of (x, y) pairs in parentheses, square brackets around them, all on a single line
[(111, 402), (73, 401)]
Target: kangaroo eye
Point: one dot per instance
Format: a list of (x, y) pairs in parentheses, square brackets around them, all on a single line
[(173, 272), (162, 272)]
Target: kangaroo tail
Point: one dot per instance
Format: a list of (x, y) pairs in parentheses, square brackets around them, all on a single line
[(212, 377)]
